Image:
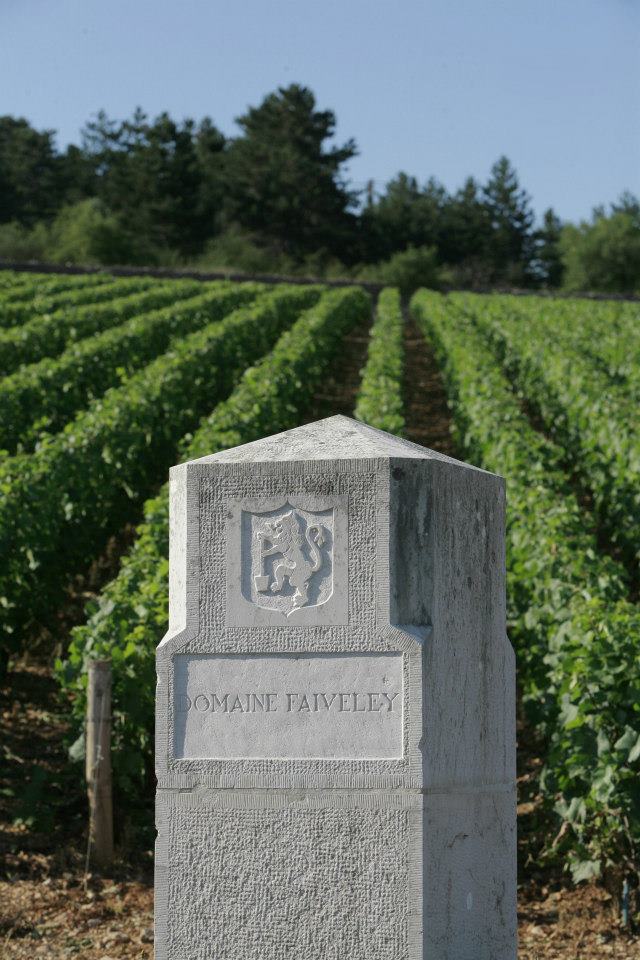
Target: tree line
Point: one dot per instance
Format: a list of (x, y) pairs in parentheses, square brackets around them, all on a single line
[(276, 198)]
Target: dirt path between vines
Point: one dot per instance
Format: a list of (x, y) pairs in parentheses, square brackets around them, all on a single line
[(338, 391), (426, 412), (49, 908)]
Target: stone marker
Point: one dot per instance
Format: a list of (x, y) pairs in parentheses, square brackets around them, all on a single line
[(335, 706)]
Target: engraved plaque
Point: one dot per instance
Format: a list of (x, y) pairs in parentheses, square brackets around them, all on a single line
[(288, 706), (287, 562)]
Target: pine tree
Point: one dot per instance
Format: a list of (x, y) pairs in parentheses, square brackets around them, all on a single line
[(148, 174), (283, 185), (548, 259), (467, 231), (28, 173), (512, 243), (406, 215)]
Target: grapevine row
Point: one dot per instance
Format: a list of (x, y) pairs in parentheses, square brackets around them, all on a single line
[(45, 395), (592, 422), (12, 314), (19, 287), (380, 402), (564, 597), (605, 335), (48, 336)]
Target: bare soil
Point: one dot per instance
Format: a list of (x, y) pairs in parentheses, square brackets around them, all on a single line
[(426, 412), (51, 907), (337, 393)]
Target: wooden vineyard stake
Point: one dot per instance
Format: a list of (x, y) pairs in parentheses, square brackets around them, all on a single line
[(98, 763)]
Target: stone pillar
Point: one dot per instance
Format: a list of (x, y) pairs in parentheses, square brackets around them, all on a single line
[(335, 706)]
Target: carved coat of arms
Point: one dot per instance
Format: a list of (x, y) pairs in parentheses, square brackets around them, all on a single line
[(291, 558), (299, 543), (287, 561)]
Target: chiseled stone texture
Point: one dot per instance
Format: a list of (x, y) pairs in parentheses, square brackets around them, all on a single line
[(335, 540), (337, 888)]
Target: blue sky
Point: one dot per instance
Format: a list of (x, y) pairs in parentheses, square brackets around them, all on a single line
[(436, 87)]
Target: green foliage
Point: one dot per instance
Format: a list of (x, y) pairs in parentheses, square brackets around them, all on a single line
[(574, 631), (408, 270), (592, 766), (548, 265), (41, 290), (275, 199), (466, 234), (12, 281), (43, 396), (405, 215), (48, 335), (510, 251), (87, 233), (18, 242), (237, 250), (554, 355), (240, 252), (483, 234), (283, 183), (60, 503), (380, 402), (166, 169), (131, 616), (603, 255), (41, 298), (28, 172)]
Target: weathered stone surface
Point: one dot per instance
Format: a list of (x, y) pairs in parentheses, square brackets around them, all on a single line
[(335, 720)]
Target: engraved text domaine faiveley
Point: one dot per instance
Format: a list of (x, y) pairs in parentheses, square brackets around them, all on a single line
[(289, 702)]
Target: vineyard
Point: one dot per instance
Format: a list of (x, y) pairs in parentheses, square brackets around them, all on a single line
[(105, 383)]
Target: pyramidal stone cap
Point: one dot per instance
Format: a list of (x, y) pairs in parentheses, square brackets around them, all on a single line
[(335, 705), (334, 438)]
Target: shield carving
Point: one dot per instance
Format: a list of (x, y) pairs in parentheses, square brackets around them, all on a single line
[(287, 558)]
